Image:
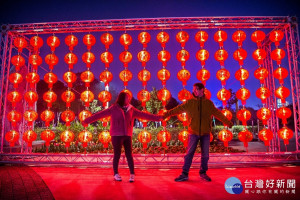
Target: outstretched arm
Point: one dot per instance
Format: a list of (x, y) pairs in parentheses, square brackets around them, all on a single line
[(97, 116), (220, 116), (177, 110), (148, 116)]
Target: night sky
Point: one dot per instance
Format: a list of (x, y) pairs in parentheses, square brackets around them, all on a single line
[(17, 12)]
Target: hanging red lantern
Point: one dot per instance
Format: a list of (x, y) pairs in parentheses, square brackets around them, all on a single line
[(35, 60), (29, 136), (128, 92), (144, 38), (47, 116), (245, 136), (87, 97), (202, 55), (84, 114), (162, 112), (276, 36), (31, 97), (143, 57), (242, 75), (15, 78), (211, 137), (261, 74), (240, 55), (125, 40), (125, 76), (105, 138), (143, 96), (225, 136), (282, 93), (106, 57), (18, 61), (105, 120), (163, 75), (183, 136), (89, 40), (164, 95), (265, 135), (283, 113), (47, 135), (50, 78), (87, 77), (243, 115), (203, 75), (207, 93), (243, 94), (30, 116), (68, 97), (71, 41), (285, 134), (51, 60), (278, 55), (182, 56), (67, 136), (220, 37), (264, 114), (20, 43), (184, 95), (36, 42), (69, 77), (12, 137), (239, 37), (104, 96), (259, 55), (32, 78), (14, 117), (49, 97), (85, 137), (182, 37), (14, 97), (258, 36), (125, 57), (71, 59), (221, 55), (53, 42), (164, 137), (144, 76), (163, 38), (201, 37), (144, 137), (183, 117), (280, 73), (106, 77), (107, 39), (183, 75), (227, 113), (223, 75), (164, 56), (144, 121), (263, 93), (223, 95), (88, 58)]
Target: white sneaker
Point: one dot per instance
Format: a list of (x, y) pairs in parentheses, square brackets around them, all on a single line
[(117, 177), (131, 178)]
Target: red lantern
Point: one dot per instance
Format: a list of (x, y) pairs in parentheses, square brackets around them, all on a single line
[(163, 75), (163, 38), (183, 75), (202, 55), (257, 37), (280, 73), (69, 77), (106, 77), (211, 137), (144, 38), (105, 121), (144, 121), (276, 36), (207, 93), (144, 76), (106, 57), (104, 96), (106, 39), (37, 42), (15, 78), (227, 113), (239, 37), (164, 95), (84, 114), (47, 135), (201, 37), (35, 60), (31, 97), (12, 137), (240, 55), (29, 136), (50, 78), (49, 97), (14, 97), (89, 40), (125, 40), (182, 56), (67, 136), (125, 57), (30, 116), (245, 136), (265, 135), (71, 59), (85, 137), (68, 97), (278, 55), (18, 61), (225, 136), (264, 114), (14, 117), (221, 55), (223, 75), (282, 93), (183, 117), (283, 113), (162, 112), (47, 116), (143, 57), (243, 115), (184, 95), (88, 58), (242, 75), (104, 138), (87, 77), (163, 137), (261, 74), (243, 94), (71, 41), (144, 137), (87, 97), (182, 37), (32, 78), (263, 93), (224, 95), (20, 43), (183, 136), (285, 134), (259, 55), (53, 42), (164, 56), (125, 76), (203, 75), (144, 96), (51, 60), (220, 37)]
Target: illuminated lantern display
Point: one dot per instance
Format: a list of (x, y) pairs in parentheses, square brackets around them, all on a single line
[(202, 55), (276, 36), (211, 137), (144, 38), (47, 116), (243, 115), (47, 135), (220, 37), (89, 40), (203, 75), (69, 77), (35, 60), (87, 77), (12, 137), (107, 39), (227, 113), (68, 116), (207, 93), (18, 61), (183, 137), (257, 37), (184, 95), (68, 97), (221, 55), (225, 136), (283, 113), (224, 95), (32, 78), (50, 78), (143, 96), (14, 117), (85, 137), (263, 93), (182, 56), (88, 58), (282, 93), (106, 77), (29, 136), (15, 78), (242, 75), (105, 121), (84, 114), (71, 41), (239, 37), (87, 97), (53, 42), (162, 112), (240, 55), (71, 59), (243, 94), (67, 137), (106, 57), (223, 75), (245, 136), (125, 40), (14, 97), (36, 42), (125, 57), (143, 57), (280, 73), (163, 136), (278, 55), (144, 76), (104, 96), (265, 135), (285, 134), (182, 37), (259, 55), (163, 75), (163, 38), (30, 116), (264, 114), (125, 76), (49, 97), (104, 138), (144, 137), (261, 74), (163, 95), (20, 43), (183, 75), (201, 37), (183, 118), (51, 60), (164, 56)]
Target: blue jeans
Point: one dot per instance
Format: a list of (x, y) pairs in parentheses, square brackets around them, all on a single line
[(192, 145)]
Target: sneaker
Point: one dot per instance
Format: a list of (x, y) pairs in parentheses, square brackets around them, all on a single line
[(117, 177), (205, 177), (181, 178), (131, 178)]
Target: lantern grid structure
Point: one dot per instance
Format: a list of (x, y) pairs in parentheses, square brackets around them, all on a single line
[(288, 25)]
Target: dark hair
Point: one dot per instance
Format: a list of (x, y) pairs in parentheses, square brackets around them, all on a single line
[(121, 98), (199, 85)]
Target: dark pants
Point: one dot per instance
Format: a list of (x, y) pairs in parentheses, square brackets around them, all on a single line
[(117, 142), (192, 145)]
